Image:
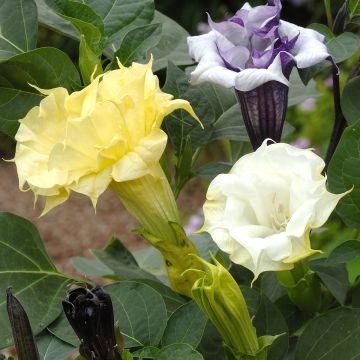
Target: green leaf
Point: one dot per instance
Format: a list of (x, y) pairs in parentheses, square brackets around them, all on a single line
[(89, 63), (209, 103), (186, 325), (210, 171), (354, 7), (322, 29), (331, 336), (63, 331), (51, 348), (172, 46), (178, 352), (121, 16), (268, 321), (136, 44), (90, 267), (18, 19), (205, 245), (334, 276), (140, 312), (46, 68), (172, 299), (121, 261), (344, 174), (150, 259), (14, 105), (344, 253), (85, 20), (49, 19), (350, 104), (26, 267)]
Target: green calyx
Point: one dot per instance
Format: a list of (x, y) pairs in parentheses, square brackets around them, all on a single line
[(303, 287), (179, 256)]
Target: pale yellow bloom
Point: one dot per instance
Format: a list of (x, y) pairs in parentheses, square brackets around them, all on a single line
[(107, 132)]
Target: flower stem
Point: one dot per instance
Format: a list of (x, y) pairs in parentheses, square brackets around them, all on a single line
[(328, 13), (340, 122)]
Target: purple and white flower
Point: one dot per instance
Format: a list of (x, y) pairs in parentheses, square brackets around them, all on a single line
[(252, 49)]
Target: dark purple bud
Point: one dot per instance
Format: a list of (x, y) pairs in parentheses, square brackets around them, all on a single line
[(341, 19), (264, 111), (25, 345), (90, 313)]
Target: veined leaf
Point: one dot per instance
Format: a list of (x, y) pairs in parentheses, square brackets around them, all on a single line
[(26, 267), (18, 27)]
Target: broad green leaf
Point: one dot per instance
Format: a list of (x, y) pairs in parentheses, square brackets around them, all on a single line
[(344, 253), (270, 286), (334, 276), (268, 321), (121, 16), (322, 29), (63, 331), (205, 244), (344, 175), (14, 104), (172, 299), (354, 7), (209, 103), (140, 312), (49, 19), (186, 325), (211, 346), (350, 104), (90, 267), (172, 45), (136, 44), (121, 261), (87, 22), (51, 348), (26, 267), (46, 68), (18, 31), (150, 259), (343, 46), (210, 171), (331, 336), (178, 352)]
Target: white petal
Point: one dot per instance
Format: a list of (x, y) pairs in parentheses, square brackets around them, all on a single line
[(250, 79), (309, 48), (211, 67)]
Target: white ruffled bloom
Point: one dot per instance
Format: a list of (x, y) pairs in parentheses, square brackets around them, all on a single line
[(261, 213)]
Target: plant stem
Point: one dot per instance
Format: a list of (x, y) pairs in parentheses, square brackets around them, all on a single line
[(328, 13)]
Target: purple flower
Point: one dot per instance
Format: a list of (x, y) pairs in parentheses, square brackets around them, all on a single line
[(252, 49)]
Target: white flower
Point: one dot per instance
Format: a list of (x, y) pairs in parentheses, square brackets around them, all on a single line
[(261, 213), (254, 47)]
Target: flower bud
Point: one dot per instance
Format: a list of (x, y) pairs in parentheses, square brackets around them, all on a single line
[(23, 337), (220, 298), (90, 313)]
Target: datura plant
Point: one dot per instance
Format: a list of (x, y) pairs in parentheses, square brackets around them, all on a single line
[(260, 114)]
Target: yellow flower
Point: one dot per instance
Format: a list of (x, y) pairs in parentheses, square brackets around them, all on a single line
[(107, 132)]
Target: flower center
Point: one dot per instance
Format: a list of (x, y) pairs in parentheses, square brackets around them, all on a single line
[(280, 216)]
